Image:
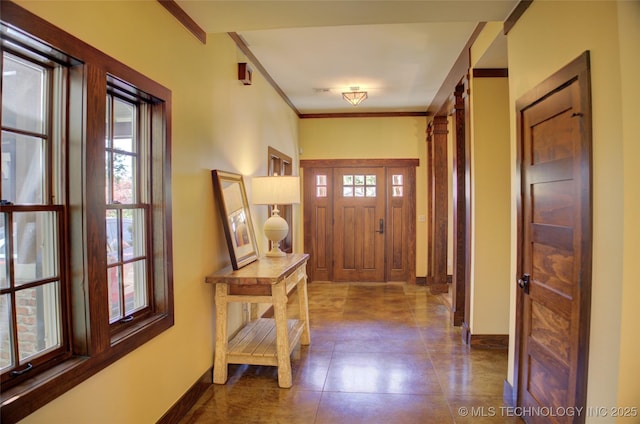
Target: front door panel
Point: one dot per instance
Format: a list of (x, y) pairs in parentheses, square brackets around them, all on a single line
[(359, 228)]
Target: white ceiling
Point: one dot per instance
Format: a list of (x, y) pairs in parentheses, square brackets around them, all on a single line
[(400, 52)]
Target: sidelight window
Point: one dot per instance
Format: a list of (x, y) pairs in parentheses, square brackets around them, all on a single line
[(321, 185), (397, 185)]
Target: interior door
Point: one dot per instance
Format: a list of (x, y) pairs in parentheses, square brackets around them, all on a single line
[(555, 244), (359, 224)]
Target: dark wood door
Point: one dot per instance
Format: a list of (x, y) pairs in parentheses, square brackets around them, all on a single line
[(318, 222), (400, 225), (555, 244), (359, 224), (355, 249)]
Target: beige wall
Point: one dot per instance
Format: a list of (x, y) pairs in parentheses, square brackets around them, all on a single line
[(548, 36), (217, 124), (491, 206), (490, 195), (629, 368), (373, 138)]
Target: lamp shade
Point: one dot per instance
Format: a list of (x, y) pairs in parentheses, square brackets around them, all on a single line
[(275, 190)]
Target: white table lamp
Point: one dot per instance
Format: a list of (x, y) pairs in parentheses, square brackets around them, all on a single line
[(275, 190)]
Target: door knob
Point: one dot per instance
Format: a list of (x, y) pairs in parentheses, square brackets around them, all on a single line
[(523, 282), (380, 226)]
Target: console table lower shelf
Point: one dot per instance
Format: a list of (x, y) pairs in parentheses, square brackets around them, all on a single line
[(256, 343)]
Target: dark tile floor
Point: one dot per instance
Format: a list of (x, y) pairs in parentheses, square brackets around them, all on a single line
[(379, 353)]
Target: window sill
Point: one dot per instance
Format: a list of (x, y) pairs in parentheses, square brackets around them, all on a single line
[(16, 402)]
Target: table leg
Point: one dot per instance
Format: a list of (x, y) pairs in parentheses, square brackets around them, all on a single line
[(303, 304), (220, 358), (279, 293)]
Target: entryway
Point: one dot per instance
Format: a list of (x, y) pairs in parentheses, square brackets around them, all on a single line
[(359, 219)]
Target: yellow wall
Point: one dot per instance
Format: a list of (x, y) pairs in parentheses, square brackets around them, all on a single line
[(373, 138), (490, 194), (629, 368), (217, 124), (490, 210), (548, 36), (485, 39)]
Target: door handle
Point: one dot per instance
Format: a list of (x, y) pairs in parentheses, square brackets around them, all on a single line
[(523, 282), (380, 226)]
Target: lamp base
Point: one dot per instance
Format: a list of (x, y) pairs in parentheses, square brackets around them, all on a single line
[(276, 229), (275, 252)]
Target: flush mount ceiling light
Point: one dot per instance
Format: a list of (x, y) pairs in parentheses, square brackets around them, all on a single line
[(354, 96)]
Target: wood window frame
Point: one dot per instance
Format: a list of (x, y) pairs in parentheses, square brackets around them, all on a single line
[(93, 346)]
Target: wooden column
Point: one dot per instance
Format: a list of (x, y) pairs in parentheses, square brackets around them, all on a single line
[(461, 206), (429, 276), (439, 207)]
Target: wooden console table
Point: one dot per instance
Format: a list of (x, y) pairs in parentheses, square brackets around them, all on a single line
[(262, 341)]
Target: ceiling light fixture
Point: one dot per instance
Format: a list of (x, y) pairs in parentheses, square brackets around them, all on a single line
[(354, 96)]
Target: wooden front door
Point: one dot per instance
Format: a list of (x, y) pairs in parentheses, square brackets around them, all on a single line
[(555, 244), (360, 219), (359, 224)]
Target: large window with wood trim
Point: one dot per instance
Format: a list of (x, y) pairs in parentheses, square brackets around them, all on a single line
[(85, 235), (127, 193), (33, 284)]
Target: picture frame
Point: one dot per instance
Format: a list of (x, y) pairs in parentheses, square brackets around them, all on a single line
[(231, 197)]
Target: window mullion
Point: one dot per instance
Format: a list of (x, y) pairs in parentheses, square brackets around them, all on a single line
[(59, 125), (95, 210), (9, 246), (49, 101), (15, 361), (109, 149)]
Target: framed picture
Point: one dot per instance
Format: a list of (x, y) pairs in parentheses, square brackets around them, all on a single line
[(231, 197)]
